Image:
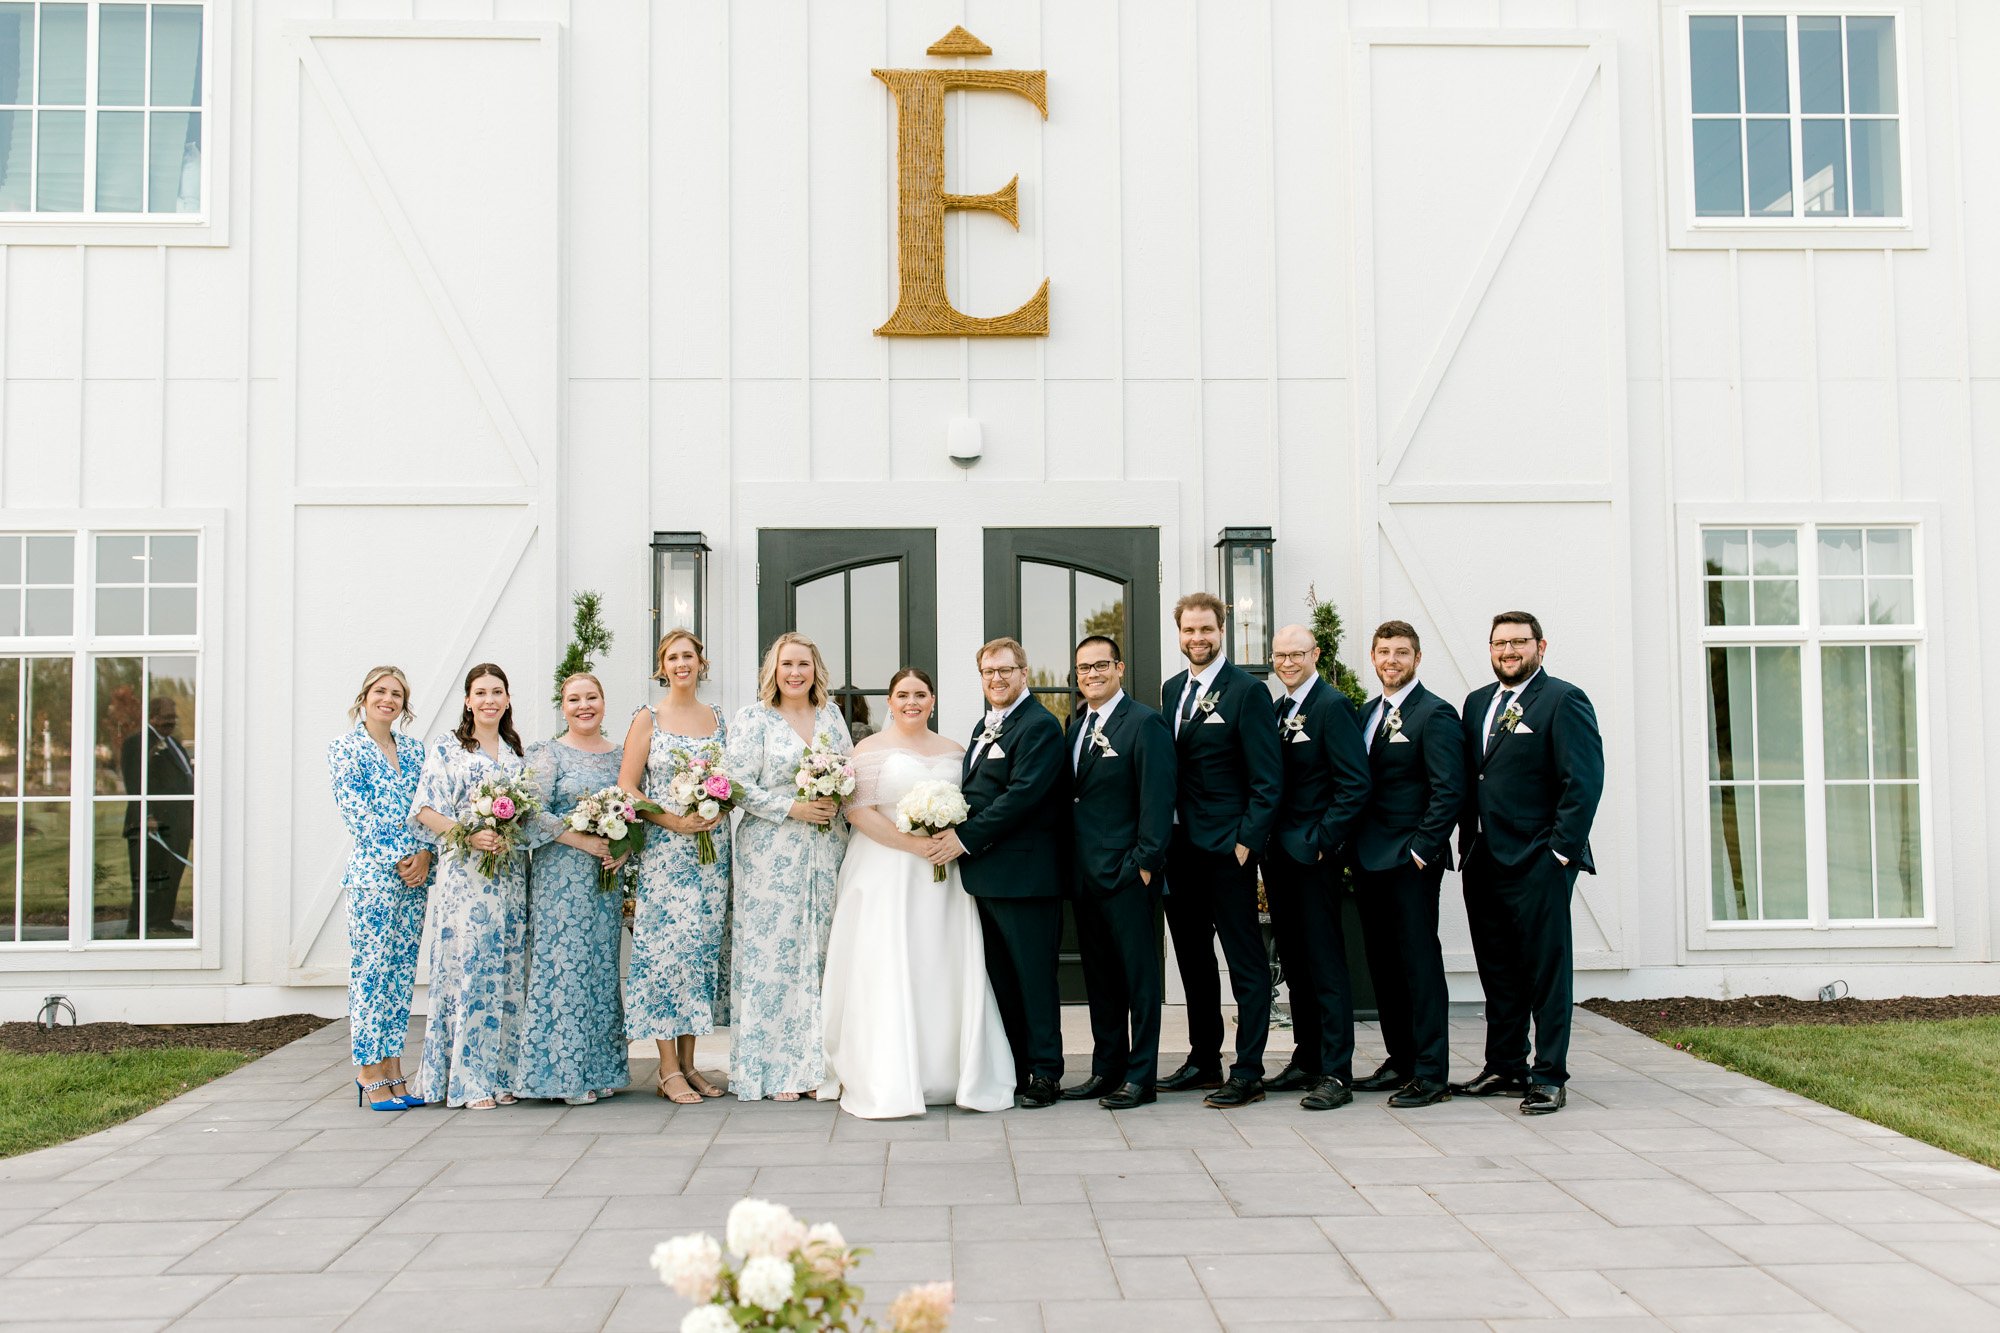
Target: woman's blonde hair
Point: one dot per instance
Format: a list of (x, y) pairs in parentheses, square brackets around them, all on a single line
[(767, 674), (668, 640), (368, 683), (563, 688)]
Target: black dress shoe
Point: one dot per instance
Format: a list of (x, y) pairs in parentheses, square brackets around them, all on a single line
[(1097, 1085), (1291, 1079), (1236, 1092), (1384, 1079), (1544, 1099), (1490, 1084), (1189, 1078), (1040, 1092), (1127, 1096), (1420, 1092), (1328, 1094)]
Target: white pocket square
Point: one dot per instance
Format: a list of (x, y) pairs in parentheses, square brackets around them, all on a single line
[(1300, 738), (994, 751), (1213, 719), (1399, 739), (1523, 729)]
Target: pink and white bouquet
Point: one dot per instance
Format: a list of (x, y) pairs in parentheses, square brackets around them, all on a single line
[(613, 814), (501, 806), (699, 789), (824, 771), (928, 809), (791, 1276)]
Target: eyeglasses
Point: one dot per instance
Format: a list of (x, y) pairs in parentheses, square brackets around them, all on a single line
[(1102, 668), (1516, 644), (1290, 657), (997, 673)]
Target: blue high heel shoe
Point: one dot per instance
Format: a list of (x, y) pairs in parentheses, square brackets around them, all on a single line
[(409, 1099), (361, 1091)]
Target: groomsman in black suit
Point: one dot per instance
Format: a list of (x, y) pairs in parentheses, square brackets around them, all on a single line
[(1016, 784), (1532, 744), (1229, 779), (1121, 755), (1326, 786), (1401, 849)]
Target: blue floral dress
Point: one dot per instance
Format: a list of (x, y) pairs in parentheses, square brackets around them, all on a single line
[(675, 985), (478, 961), (572, 1026), (786, 871), (385, 917)]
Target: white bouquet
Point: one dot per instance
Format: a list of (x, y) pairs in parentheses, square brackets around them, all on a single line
[(928, 809), (824, 772)]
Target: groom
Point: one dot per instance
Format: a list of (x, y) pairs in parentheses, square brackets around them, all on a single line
[(1016, 784)]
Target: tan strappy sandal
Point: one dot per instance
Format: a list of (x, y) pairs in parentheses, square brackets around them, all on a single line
[(686, 1097)]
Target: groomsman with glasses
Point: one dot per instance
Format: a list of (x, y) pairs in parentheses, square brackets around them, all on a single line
[(1401, 849), (1326, 786), (1230, 778), (1121, 757), (1537, 765)]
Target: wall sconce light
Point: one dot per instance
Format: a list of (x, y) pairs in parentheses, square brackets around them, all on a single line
[(1244, 582), (680, 583)]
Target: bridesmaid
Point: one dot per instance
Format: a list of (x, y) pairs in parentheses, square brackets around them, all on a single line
[(787, 861), (374, 772), (682, 907), (572, 1026), (472, 1040)]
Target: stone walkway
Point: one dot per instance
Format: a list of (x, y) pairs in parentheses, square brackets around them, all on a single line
[(1670, 1194)]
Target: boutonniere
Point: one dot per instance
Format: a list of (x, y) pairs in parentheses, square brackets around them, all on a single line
[(988, 736), (1205, 706), (1511, 718), (1294, 729), (1394, 725), (1103, 743)]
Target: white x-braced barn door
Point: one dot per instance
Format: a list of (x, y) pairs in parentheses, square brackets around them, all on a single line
[(1490, 393), (425, 392)]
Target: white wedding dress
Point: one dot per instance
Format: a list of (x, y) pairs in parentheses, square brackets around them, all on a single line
[(910, 1015)]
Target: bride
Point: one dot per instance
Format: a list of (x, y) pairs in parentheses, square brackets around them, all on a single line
[(910, 1015)]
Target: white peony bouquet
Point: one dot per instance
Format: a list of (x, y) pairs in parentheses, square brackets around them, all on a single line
[(929, 808), (792, 1276), (700, 789), (824, 771), (501, 806), (613, 814)]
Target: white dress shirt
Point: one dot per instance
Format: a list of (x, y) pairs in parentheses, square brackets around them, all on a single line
[(994, 718), (1201, 684)]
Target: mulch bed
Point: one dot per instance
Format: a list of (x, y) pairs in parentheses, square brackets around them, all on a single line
[(257, 1038), (1653, 1017)]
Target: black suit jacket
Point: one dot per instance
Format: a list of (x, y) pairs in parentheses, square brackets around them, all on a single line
[(1419, 786), (1536, 790), (1019, 800), (1326, 776), (1122, 801), (167, 771), (1230, 776)]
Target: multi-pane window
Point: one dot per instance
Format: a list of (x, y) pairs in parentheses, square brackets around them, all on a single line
[(1795, 117), (1812, 643), (101, 108), (99, 644)]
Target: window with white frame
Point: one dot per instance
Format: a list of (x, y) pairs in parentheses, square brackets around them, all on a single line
[(100, 647), (102, 109), (1811, 646), (1796, 117)]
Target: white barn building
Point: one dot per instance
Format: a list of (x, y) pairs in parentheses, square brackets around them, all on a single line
[(336, 332)]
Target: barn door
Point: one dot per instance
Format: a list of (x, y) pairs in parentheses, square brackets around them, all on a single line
[(421, 436), (1490, 387)]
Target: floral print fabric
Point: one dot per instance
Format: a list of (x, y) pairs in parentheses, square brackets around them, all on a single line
[(680, 913), (385, 917)]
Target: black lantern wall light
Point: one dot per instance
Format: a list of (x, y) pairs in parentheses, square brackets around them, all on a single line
[(1243, 578)]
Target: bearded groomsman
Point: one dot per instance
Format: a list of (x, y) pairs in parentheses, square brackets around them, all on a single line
[(1121, 756), (1401, 849), (1016, 784), (1229, 779), (1326, 786), (1532, 744)]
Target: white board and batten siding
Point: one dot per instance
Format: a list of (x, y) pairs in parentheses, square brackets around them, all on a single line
[(508, 285)]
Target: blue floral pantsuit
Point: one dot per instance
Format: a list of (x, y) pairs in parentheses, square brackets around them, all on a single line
[(385, 917)]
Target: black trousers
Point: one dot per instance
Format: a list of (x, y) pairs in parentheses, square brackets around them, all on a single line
[(1399, 926), (1023, 943), (1210, 897), (161, 884), (1305, 925), (1121, 974), (1521, 939)]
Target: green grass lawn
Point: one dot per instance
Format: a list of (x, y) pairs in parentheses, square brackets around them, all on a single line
[(1938, 1082), (48, 1099)]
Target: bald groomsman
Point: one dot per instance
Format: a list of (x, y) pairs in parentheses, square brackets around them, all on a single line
[(1400, 851), (1537, 761)]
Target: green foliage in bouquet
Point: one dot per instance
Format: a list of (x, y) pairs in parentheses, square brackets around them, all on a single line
[(589, 640), (1327, 631)]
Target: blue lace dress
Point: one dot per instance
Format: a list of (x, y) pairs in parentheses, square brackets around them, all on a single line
[(786, 871), (572, 1026), (478, 960), (674, 988), (385, 917)]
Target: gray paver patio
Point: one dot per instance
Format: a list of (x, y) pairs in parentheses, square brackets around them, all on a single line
[(1669, 1195)]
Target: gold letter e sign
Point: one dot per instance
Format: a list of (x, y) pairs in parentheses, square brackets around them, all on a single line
[(923, 309)]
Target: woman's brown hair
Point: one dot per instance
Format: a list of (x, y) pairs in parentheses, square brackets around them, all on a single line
[(668, 640), (464, 730)]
